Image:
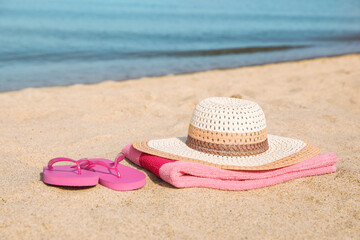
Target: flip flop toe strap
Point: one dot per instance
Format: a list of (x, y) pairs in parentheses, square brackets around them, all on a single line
[(111, 166), (78, 163), (83, 163)]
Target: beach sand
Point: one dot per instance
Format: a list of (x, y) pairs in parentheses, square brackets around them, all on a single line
[(314, 100)]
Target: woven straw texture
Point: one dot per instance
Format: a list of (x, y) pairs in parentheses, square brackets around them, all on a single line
[(231, 133)]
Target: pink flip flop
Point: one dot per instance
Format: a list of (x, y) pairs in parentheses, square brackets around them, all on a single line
[(69, 175), (116, 176)]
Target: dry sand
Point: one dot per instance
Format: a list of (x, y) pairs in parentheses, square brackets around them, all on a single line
[(314, 100)]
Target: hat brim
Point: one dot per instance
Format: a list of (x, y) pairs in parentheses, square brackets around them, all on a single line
[(282, 152)]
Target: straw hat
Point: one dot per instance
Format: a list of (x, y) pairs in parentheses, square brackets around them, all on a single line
[(230, 133)]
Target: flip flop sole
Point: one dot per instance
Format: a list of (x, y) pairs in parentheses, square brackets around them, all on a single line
[(68, 176)]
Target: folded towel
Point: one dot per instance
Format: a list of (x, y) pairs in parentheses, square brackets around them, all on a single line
[(187, 174)]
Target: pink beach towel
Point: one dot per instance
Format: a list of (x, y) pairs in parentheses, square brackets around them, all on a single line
[(186, 174)]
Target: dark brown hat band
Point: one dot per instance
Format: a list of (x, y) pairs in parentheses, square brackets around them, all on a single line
[(227, 149)]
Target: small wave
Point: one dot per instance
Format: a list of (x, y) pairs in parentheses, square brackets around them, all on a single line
[(115, 55), (215, 52)]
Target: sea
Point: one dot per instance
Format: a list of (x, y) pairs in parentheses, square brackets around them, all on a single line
[(57, 43)]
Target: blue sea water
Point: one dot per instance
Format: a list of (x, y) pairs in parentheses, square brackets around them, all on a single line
[(51, 43)]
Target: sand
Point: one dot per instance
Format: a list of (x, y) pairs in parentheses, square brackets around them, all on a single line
[(314, 100)]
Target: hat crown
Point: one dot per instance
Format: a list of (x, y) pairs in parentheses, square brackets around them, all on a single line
[(231, 115), (228, 126)]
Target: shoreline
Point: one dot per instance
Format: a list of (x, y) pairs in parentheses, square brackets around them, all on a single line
[(191, 72), (317, 101)]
